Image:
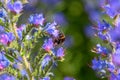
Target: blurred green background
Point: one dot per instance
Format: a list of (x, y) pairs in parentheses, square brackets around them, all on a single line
[(78, 55)]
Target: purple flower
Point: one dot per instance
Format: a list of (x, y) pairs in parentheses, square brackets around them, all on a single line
[(45, 78), (46, 61), (111, 67), (37, 19), (48, 44), (103, 36), (103, 26), (52, 29), (115, 76), (111, 12), (98, 64), (16, 7), (69, 78), (23, 72), (6, 38), (4, 62), (7, 77), (116, 58), (11, 37), (2, 29), (19, 32), (115, 34), (60, 53), (3, 14), (101, 50), (51, 2), (60, 19), (112, 8)]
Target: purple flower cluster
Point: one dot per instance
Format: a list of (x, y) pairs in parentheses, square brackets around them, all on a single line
[(107, 63), (17, 43), (7, 77), (7, 37), (16, 7), (37, 19), (4, 62)]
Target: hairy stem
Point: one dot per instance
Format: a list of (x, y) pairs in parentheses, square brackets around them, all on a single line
[(27, 67)]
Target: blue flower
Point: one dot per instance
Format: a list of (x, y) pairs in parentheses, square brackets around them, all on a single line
[(4, 62), (112, 8), (3, 14), (60, 53), (115, 76), (99, 64), (16, 7), (19, 32), (101, 50), (45, 61), (48, 44), (37, 19), (116, 57), (103, 26), (111, 12), (60, 19), (45, 78), (6, 38), (103, 36), (52, 29), (115, 33), (11, 36), (7, 77), (68, 78), (2, 29)]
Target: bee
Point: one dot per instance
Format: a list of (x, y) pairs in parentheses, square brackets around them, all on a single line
[(59, 40)]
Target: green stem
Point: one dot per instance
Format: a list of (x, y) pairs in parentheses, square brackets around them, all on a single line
[(27, 67)]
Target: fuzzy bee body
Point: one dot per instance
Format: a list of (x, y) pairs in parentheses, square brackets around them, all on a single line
[(59, 40)]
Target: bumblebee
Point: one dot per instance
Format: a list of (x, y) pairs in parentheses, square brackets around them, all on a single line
[(59, 40)]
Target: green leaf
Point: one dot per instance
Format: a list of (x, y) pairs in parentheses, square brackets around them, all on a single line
[(9, 57)]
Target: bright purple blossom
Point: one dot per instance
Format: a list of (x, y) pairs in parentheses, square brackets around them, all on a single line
[(101, 50), (103, 26), (60, 53), (116, 57), (19, 32), (99, 64), (3, 14), (60, 19), (6, 38), (37, 19), (45, 61), (4, 62), (52, 29), (48, 44), (112, 8), (11, 37), (111, 67), (115, 76), (2, 29), (46, 78), (103, 36), (111, 12), (69, 78), (7, 77), (51, 2), (16, 7)]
